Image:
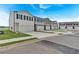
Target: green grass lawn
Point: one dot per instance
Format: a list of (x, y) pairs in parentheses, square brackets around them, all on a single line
[(9, 34)]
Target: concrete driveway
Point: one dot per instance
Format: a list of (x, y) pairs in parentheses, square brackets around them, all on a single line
[(41, 34)]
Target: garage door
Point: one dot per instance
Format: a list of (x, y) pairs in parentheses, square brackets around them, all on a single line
[(47, 27), (70, 27), (40, 28), (27, 28)]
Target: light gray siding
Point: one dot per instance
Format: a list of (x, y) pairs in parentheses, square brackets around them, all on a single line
[(23, 21), (69, 25)]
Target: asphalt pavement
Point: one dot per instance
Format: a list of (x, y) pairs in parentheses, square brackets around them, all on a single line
[(64, 44)]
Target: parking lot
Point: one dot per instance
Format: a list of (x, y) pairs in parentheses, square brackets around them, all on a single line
[(66, 40)]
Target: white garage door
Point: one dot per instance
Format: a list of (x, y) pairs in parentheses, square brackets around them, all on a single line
[(26, 28), (70, 27), (47, 27), (62, 27), (76, 27), (40, 28)]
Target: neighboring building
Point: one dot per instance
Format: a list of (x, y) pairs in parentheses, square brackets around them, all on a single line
[(23, 21), (69, 25)]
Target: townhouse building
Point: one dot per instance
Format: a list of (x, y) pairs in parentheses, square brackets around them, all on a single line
[(69, 25), (24, 21)]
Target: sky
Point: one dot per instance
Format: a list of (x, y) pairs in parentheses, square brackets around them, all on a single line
[(55, 12)]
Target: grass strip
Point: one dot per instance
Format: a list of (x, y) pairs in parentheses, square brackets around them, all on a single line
[(9, 35)]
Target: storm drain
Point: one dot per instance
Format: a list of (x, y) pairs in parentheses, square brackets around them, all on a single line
[(63, 49)]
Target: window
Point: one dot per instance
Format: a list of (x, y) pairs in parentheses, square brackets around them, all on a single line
[(17, 16), (76, 24), (63, 24), (21, 17), (32, 18), (24, 17), (27, 17)]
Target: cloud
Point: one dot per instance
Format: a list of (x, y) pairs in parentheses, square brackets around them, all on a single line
[(4, 18), (41, 6), (58, 5), (33, 6), (44, 6)]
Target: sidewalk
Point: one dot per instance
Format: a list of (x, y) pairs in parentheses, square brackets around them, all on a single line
[(15, 39)]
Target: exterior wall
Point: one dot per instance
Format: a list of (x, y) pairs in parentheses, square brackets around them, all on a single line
[(69, 25), (62, 27), (12, 20), (19, 25), (48, 27), (54, 25), (77, 27), (40, 28), (24, 25)]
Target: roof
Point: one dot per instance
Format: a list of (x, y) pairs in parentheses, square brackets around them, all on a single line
[(68, 22), (24, 11)]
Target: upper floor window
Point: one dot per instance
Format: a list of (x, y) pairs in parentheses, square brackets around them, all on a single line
[(17, 16), (21, 17), (24, 17), (76, 24), (37, 19), (73, 24), (27, 17), (32, 18)]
